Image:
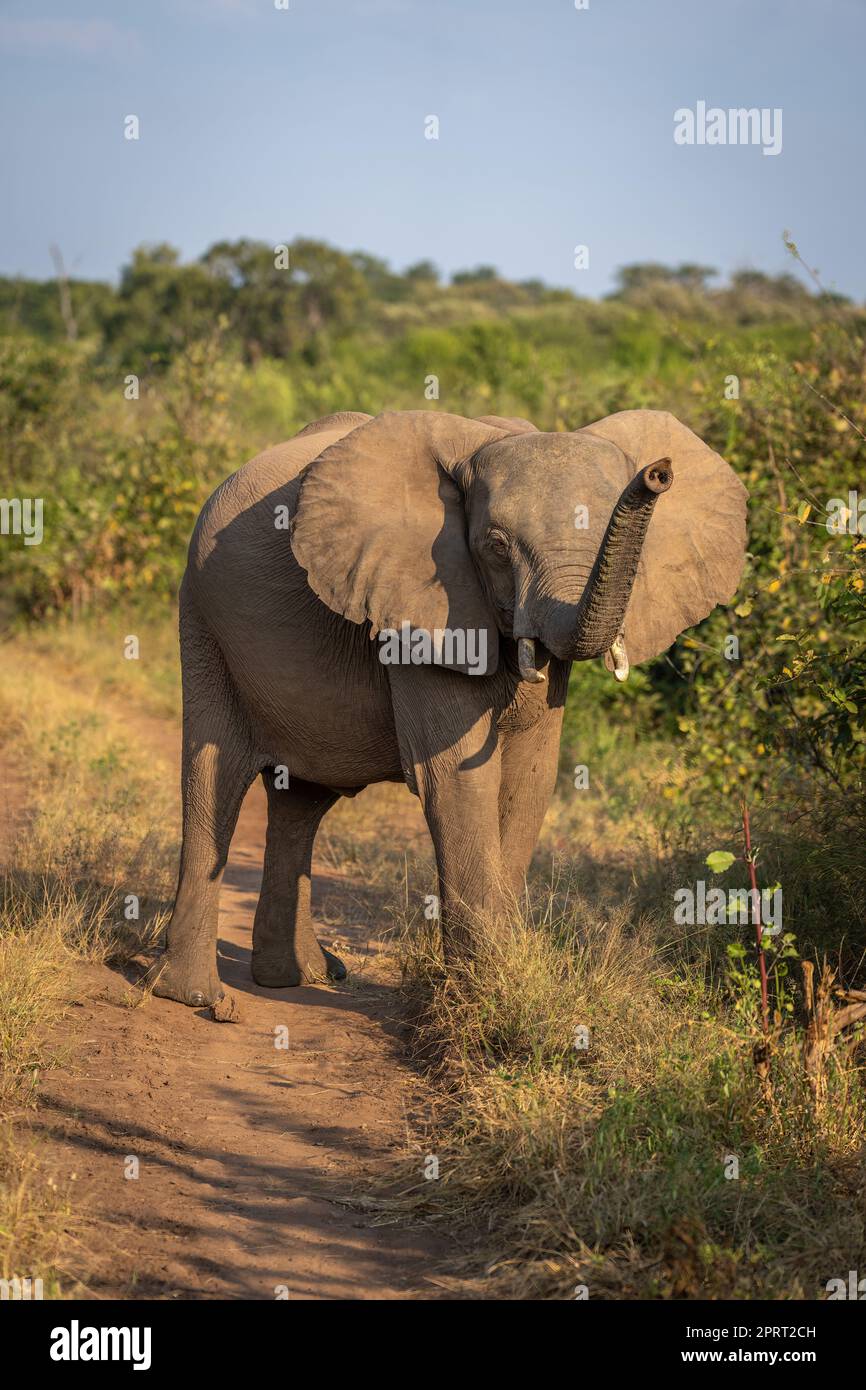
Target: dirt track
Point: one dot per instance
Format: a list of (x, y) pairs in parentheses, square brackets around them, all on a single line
[(245, 1149)]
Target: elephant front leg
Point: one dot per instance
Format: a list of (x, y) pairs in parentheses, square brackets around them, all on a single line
[(530, 759), (451, 758), (462, 815), (285, 949)]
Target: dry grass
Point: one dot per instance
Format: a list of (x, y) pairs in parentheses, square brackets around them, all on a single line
[(605, 1166), (33, 992), (89, 655), (85, 841)]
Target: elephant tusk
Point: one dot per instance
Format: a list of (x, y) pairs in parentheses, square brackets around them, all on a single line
[(526, 661), (616, 658)]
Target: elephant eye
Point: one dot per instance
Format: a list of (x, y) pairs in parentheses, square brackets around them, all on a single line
[(498, 543)]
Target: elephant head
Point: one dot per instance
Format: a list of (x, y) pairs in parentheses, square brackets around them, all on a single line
[(610, 540)]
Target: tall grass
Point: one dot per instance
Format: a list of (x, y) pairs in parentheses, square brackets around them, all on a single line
[(602, 1118), (97, 823)]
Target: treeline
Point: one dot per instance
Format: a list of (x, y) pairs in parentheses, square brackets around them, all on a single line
[(301, 298)]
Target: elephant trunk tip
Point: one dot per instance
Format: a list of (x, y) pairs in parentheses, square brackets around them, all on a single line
[(657, 477)]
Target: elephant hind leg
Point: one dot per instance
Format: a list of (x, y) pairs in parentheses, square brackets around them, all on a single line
[(218, 765), (285, 949)]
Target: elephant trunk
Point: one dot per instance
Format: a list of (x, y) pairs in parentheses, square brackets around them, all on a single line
[(594, 625)]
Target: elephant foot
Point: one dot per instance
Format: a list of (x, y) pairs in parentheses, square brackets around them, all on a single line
[(170, 981), (314, 969), (336, 968)]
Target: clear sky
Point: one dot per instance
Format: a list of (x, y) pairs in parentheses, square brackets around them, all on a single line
[(555, 129)]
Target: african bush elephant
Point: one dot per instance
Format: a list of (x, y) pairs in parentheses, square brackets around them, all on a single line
[(486, 557)]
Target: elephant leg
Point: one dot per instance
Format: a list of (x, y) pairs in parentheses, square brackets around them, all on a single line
[(530, 758), (451, 759), (285, 949), (461, 813), (218, 765)]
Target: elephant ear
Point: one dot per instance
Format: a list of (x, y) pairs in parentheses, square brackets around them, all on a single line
[(695, 546), (380, 528)]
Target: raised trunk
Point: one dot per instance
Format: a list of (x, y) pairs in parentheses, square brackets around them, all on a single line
[(591, 627)]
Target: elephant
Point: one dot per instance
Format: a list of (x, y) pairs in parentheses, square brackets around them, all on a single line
[(486, 556)]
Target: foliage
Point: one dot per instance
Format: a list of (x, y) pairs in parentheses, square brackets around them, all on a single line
[(788, 709), (121, 480)]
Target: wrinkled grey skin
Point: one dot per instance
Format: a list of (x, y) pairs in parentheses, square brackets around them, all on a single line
[(438, 521)]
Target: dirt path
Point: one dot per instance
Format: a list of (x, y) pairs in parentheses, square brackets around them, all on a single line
[(244, 1148)]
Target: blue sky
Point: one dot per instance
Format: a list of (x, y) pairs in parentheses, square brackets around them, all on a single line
[(556, 129)]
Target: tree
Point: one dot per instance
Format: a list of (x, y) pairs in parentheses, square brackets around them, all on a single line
[(161, 305), (422, 271), (779, 288), (481, 273), (381, 281), (651, 274)]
